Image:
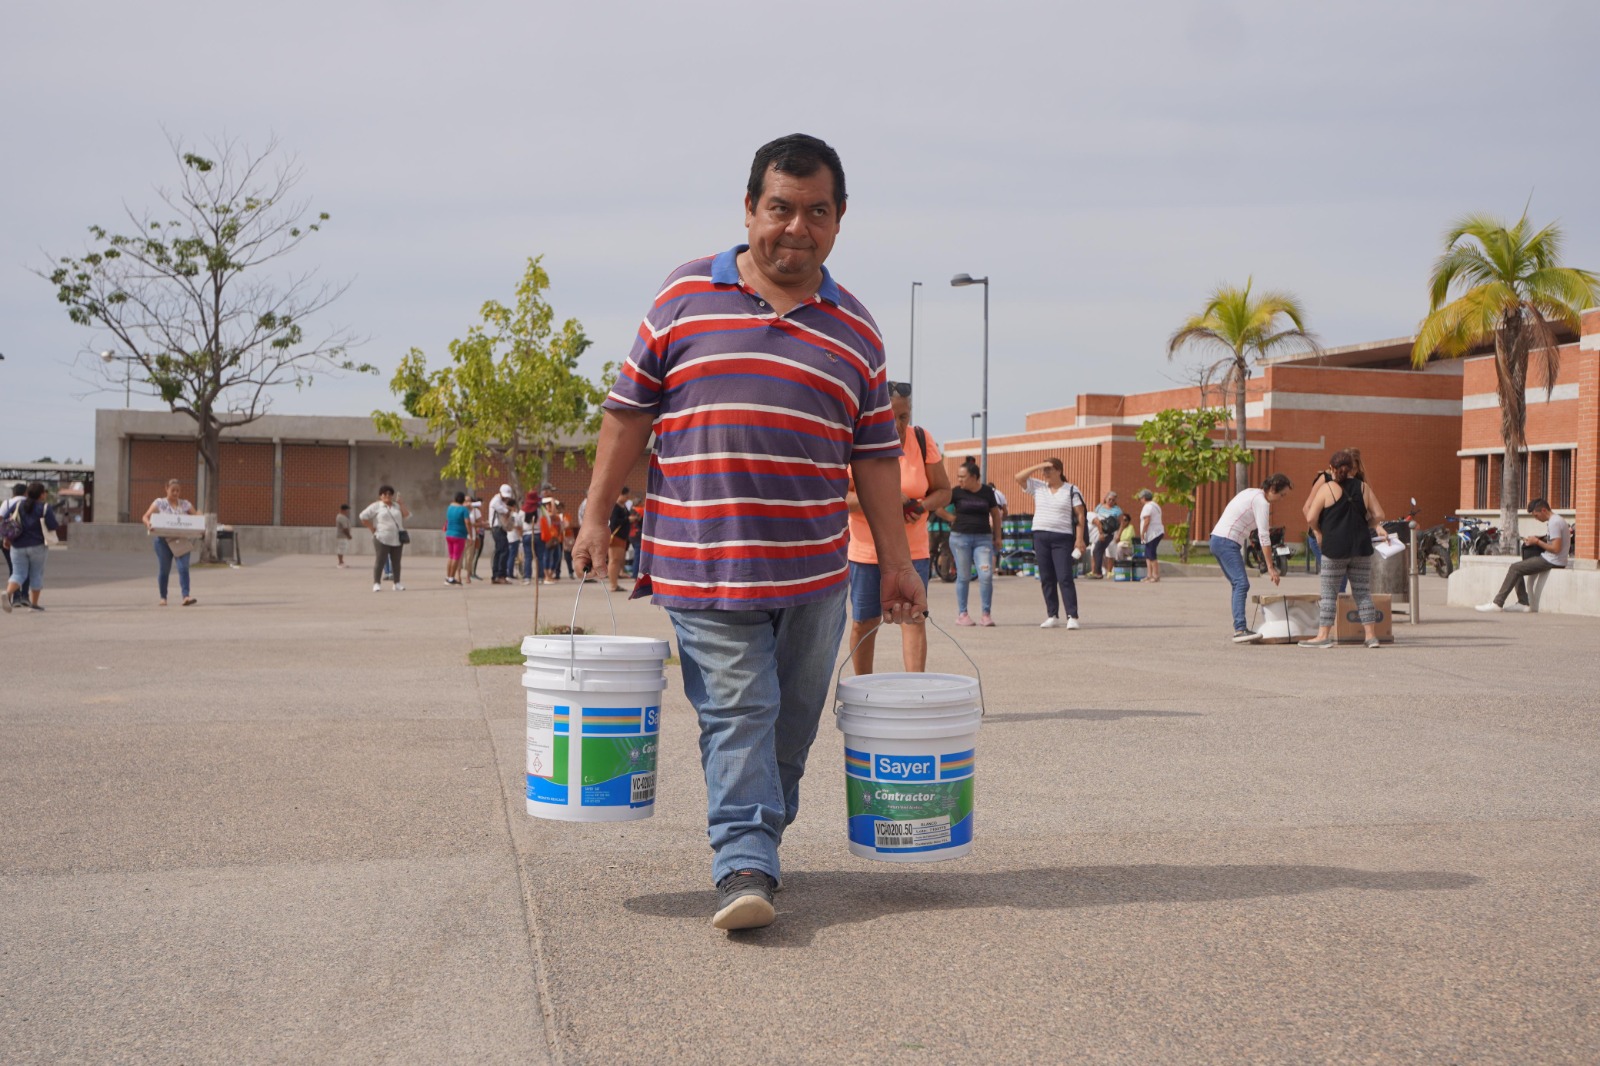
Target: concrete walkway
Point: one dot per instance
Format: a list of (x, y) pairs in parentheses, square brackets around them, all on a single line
[(287, 825)]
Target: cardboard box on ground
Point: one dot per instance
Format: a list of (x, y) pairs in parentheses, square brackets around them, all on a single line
[(1347, 620), (1290, 619)]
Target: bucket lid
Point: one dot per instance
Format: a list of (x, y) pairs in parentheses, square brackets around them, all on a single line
[(594, 646), (909, 690)]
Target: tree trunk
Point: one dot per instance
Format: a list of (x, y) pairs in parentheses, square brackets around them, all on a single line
[(1241, 470), (208, 438), (1511, 381)]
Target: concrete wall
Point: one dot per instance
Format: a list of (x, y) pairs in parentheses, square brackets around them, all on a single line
[(1572, 591)]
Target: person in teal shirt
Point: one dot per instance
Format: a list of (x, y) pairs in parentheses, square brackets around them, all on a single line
[(457, 518)]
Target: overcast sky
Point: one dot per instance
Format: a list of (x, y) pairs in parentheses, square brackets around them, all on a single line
[(1104, 165)]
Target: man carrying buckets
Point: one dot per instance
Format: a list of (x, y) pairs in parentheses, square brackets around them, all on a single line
[(763, 382)]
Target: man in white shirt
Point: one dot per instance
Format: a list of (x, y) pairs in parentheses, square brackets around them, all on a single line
[(500, 527), (1252, 507), (1554, 545)]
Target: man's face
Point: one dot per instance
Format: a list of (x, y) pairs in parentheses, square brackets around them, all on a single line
[(793, 228)]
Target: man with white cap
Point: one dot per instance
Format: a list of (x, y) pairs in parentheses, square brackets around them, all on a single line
[(500, 525)]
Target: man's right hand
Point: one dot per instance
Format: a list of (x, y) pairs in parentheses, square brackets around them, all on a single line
[(589, 552)]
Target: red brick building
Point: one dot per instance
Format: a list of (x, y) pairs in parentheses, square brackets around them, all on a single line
[(1431, 434)]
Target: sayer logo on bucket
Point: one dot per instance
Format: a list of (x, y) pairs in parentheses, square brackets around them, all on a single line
[(905, 767)]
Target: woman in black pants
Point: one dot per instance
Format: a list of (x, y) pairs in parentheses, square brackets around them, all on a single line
[(1059, 529), (386, 519)]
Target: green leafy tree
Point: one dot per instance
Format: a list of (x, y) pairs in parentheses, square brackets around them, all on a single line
[(1247, 328), (193, 298), (1182, 455), (1510, 290), (509, 397)]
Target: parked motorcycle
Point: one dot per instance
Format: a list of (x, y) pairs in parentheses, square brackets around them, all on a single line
[(1433, 545), (1280, 552), (1476, 536)]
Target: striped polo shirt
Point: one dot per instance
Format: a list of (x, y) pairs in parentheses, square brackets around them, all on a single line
[(757, 418)]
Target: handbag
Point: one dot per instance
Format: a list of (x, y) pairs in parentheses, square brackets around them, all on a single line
[(405, 538)]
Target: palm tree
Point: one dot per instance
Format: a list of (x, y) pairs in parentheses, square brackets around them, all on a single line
[(1511, 290), (1248, 328)]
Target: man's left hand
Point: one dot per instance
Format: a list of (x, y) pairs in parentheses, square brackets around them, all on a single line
[(903, 597)]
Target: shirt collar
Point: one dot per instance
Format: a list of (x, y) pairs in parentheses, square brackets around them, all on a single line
[(725, 271)]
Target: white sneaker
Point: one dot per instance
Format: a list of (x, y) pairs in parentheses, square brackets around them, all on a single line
[(1519, 608), (399, 587), (1050, 623), (1072, 623), (377, 586), (1488, 607)]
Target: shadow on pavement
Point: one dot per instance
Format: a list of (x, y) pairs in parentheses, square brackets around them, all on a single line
[(811, 902), (1085, 716)]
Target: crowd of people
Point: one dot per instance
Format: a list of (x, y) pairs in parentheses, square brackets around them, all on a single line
[(529, 541)]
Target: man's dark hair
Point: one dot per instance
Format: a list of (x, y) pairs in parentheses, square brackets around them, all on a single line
[(1540, 504), (461, 497), (1277, 483), (344, 507), (626, 491), (798, 155), (19, 489)]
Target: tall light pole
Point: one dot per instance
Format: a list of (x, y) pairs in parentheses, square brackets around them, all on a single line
[(959, 281), (108, 357), (972, 430), (911, 358)]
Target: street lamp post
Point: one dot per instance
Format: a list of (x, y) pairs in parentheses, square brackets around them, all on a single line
[(959, 281), (911, 357), (108, 357), (972, 430)]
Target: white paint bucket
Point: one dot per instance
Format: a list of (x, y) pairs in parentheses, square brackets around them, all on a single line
[(594, 720), (909, 744)]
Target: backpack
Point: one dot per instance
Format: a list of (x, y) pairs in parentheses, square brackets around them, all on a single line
[(11, 519)]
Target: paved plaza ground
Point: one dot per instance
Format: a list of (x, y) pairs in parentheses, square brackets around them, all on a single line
[(287, 825)]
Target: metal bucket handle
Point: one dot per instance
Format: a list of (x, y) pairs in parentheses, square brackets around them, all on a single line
[(572, 626), (927, 619)]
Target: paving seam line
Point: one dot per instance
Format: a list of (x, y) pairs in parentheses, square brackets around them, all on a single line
[(530, 921)]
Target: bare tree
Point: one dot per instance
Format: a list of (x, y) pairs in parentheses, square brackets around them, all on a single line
[(193, 296)]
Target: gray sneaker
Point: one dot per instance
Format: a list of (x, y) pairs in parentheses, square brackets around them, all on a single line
[(1245, 636), (744, 901)]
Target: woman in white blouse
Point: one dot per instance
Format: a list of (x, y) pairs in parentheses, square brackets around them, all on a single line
[(386, 519), (1059, 531)]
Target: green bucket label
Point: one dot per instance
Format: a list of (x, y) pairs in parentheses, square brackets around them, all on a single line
[(906, 803)]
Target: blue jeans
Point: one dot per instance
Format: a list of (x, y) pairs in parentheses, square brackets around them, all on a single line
[(166, 558), (758, 681), (27, 566), (967, 547), (527, 558), (1230, 557)]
